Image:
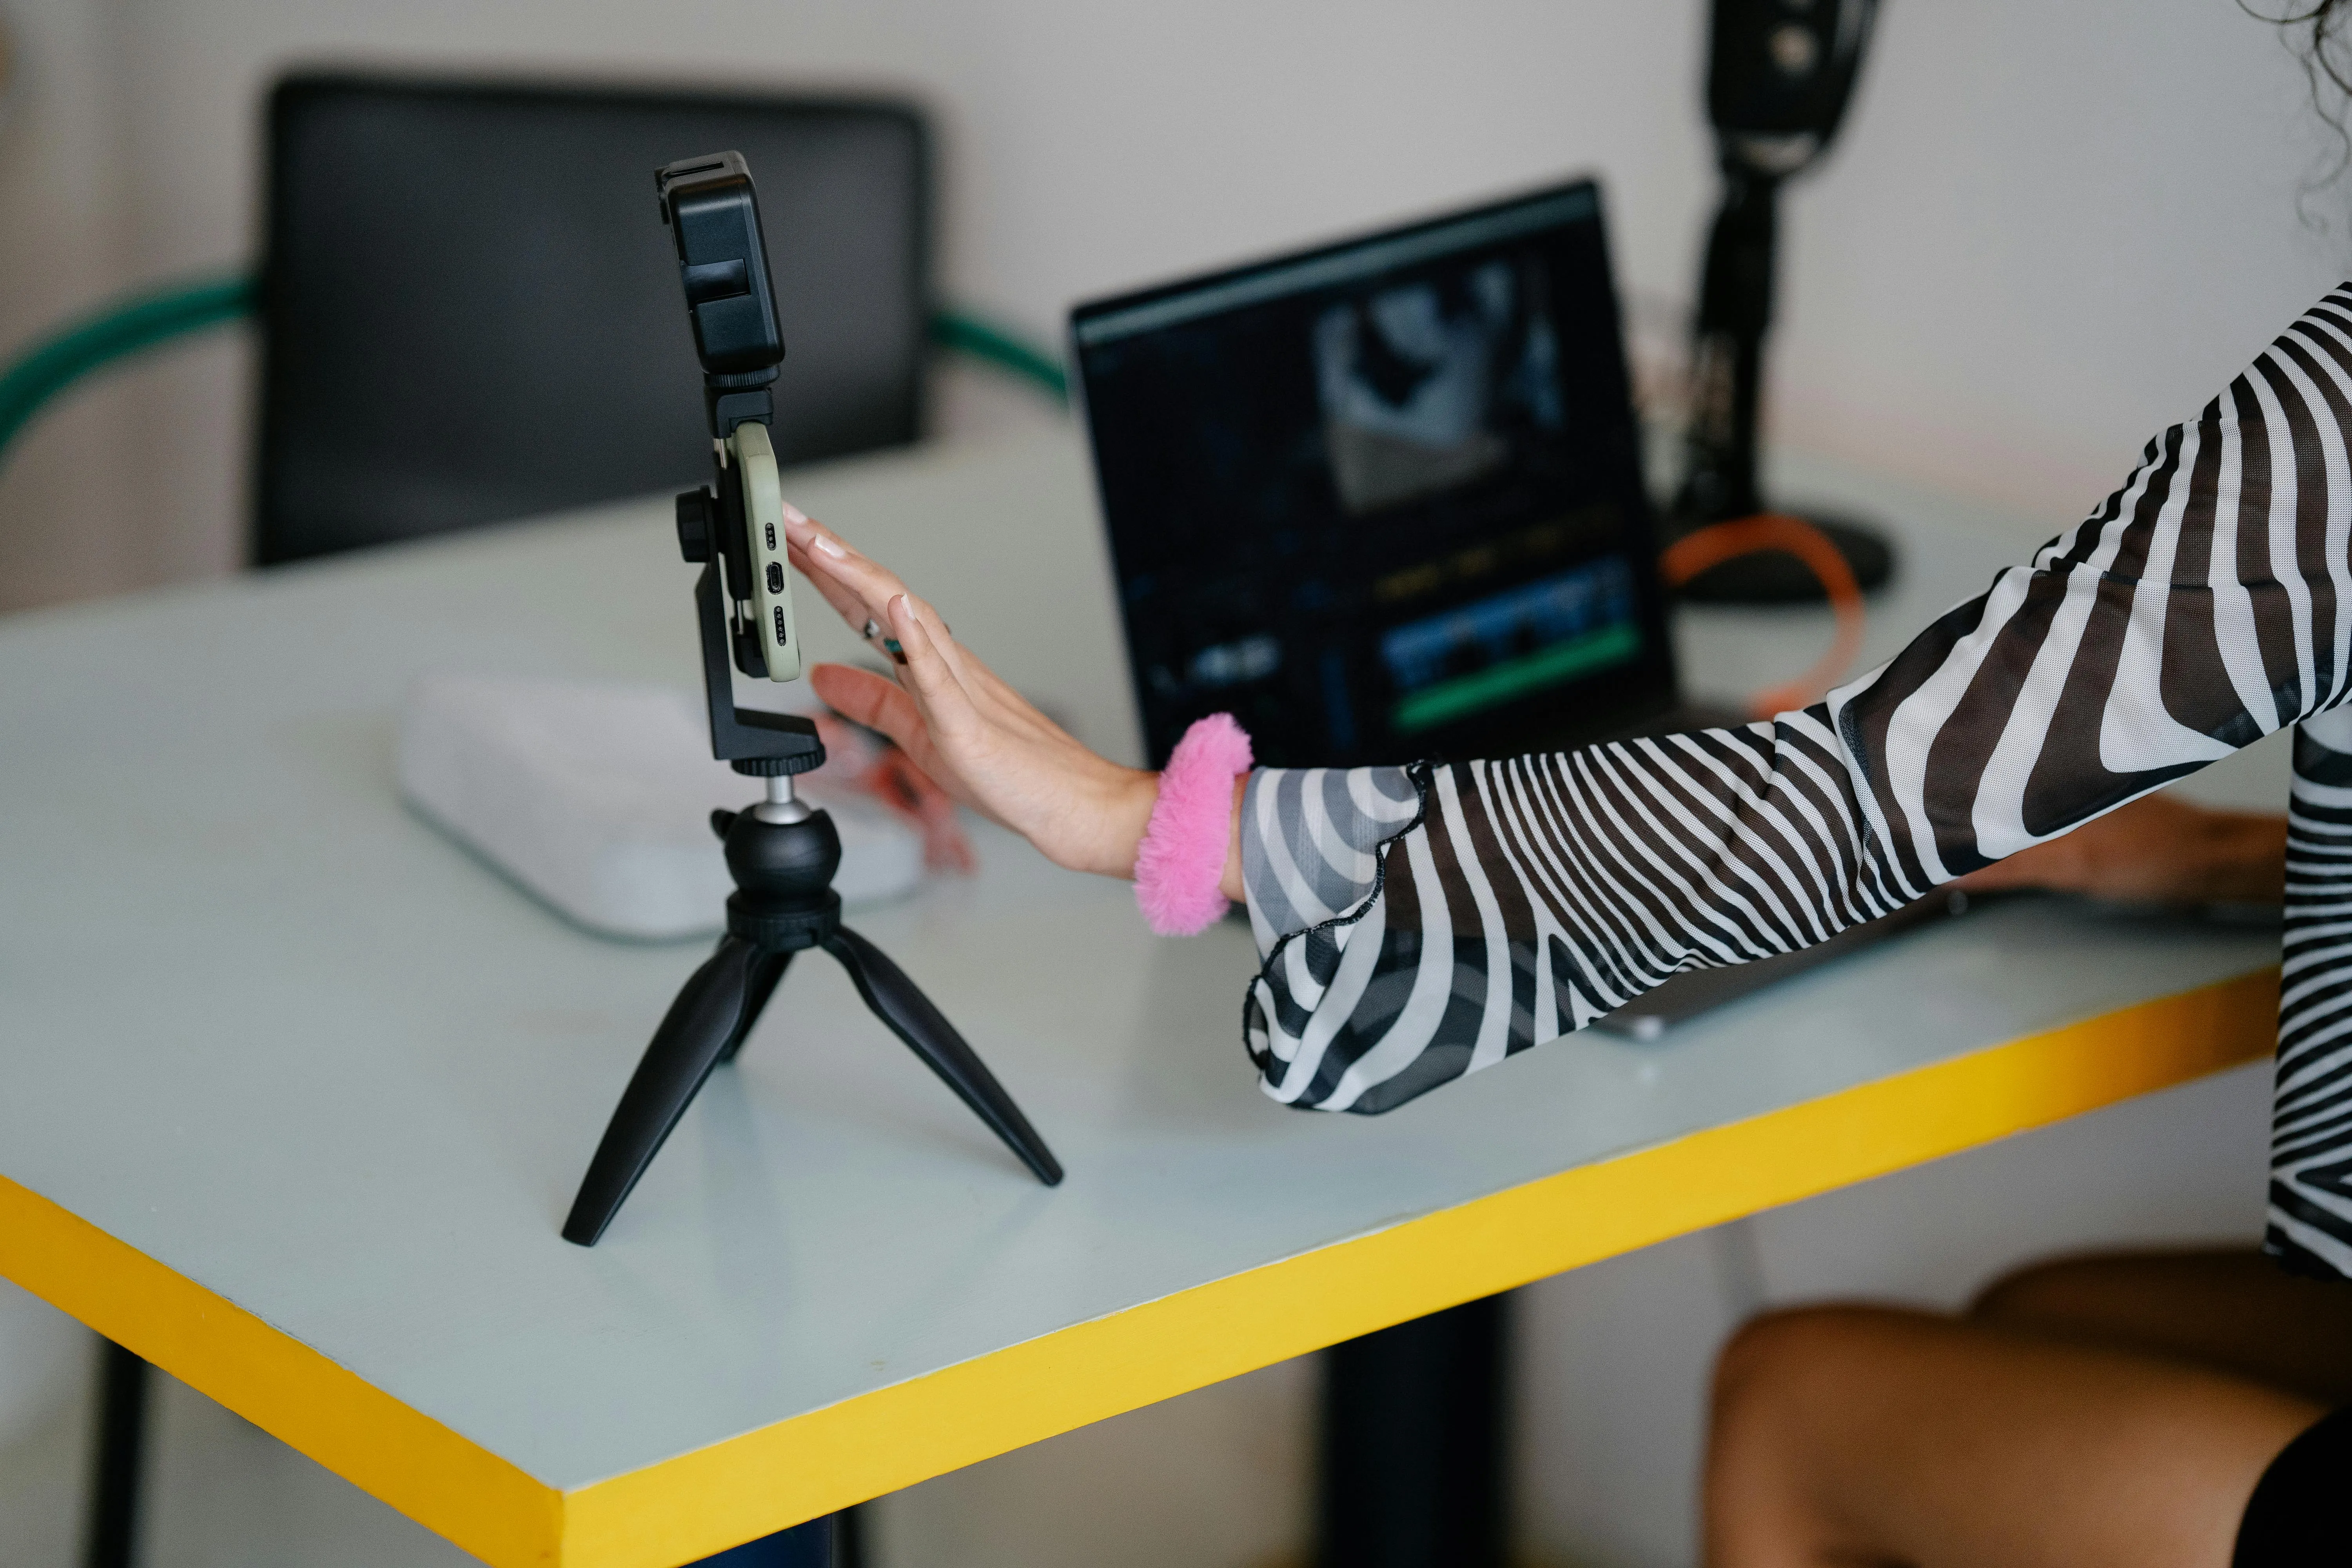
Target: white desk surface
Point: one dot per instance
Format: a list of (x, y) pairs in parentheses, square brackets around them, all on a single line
[(283, 1040)]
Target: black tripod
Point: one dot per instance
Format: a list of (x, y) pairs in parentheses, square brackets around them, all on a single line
[(782, 854)]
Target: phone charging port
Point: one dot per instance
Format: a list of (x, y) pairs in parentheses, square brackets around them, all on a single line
[(775, 578)]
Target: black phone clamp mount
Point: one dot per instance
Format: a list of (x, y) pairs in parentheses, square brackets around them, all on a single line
[(781, 852)]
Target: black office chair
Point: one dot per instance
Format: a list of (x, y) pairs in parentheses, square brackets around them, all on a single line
[(470, 307)]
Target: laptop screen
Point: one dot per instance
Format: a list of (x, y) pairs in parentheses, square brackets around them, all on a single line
[(1384, 499)]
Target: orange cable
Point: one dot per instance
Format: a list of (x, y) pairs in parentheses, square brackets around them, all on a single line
[(1695, 551)]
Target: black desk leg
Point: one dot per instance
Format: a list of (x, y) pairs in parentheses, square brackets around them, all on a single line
[(1414, 1451), (832, 1542), (115, 1459)]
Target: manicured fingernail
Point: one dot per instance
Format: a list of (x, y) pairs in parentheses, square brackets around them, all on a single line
[(797, 524)]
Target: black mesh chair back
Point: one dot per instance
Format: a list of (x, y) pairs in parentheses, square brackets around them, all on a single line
[(472, 310)]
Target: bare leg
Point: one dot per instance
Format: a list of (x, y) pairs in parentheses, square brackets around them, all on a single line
[(1862, 1436), (2233, 1311)]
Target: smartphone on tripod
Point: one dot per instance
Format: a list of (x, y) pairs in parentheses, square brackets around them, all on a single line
[(712, 211)]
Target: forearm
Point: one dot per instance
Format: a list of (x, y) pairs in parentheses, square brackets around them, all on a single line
[(2240, 859), (2156, 850), (1489, 907), (1231, 883)]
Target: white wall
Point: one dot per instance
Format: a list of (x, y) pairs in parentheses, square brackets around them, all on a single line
[(60, 241), (2050, 230)]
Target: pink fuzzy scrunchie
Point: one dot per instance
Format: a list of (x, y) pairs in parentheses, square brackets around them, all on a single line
[(1182, 856)]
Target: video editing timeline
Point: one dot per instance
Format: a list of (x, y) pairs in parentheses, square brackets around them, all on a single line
[(1380, 501), (1518, 641)]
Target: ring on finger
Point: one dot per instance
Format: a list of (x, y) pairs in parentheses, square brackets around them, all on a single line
[(873, 633)]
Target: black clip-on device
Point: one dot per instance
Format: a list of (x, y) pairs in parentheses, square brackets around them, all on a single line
[(782, 852)]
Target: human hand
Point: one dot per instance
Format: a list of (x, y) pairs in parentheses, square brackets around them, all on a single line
[(972, 735), (2157, 849), (868, 762)]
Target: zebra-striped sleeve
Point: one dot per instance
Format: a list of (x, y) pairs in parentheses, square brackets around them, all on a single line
[(1311, 854), (1506, 902), (2204, 604), (2311, 1105)]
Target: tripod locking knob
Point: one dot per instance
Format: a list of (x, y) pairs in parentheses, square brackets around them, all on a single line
[(696, 522), (806, 761)]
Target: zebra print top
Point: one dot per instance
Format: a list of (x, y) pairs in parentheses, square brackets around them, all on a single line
[(1418, 924)]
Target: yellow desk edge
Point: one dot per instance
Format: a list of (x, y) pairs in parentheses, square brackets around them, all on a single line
[(704, 1502)]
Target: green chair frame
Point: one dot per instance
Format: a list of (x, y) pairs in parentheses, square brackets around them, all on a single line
[(132, 324)]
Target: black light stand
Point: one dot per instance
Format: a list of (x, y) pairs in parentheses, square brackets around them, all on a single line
[(1415, 1450), (117, 1458), (781, 852), (1781, 73)]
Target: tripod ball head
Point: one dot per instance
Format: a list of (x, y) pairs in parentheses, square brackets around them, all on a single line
[(780, 863)]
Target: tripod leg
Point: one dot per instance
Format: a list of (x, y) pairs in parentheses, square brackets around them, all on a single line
[(912, 1016), (710, 1013), (767, 970)]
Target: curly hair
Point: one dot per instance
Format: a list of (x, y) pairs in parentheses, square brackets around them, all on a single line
[(2317, 34), (2321, 26)]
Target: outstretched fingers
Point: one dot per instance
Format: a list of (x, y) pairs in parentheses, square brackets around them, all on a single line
[(864, 697), (931, 680), (843, 598), (860, 590), (858, 587)]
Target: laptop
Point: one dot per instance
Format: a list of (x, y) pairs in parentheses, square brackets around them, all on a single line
[(1384, 499)]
